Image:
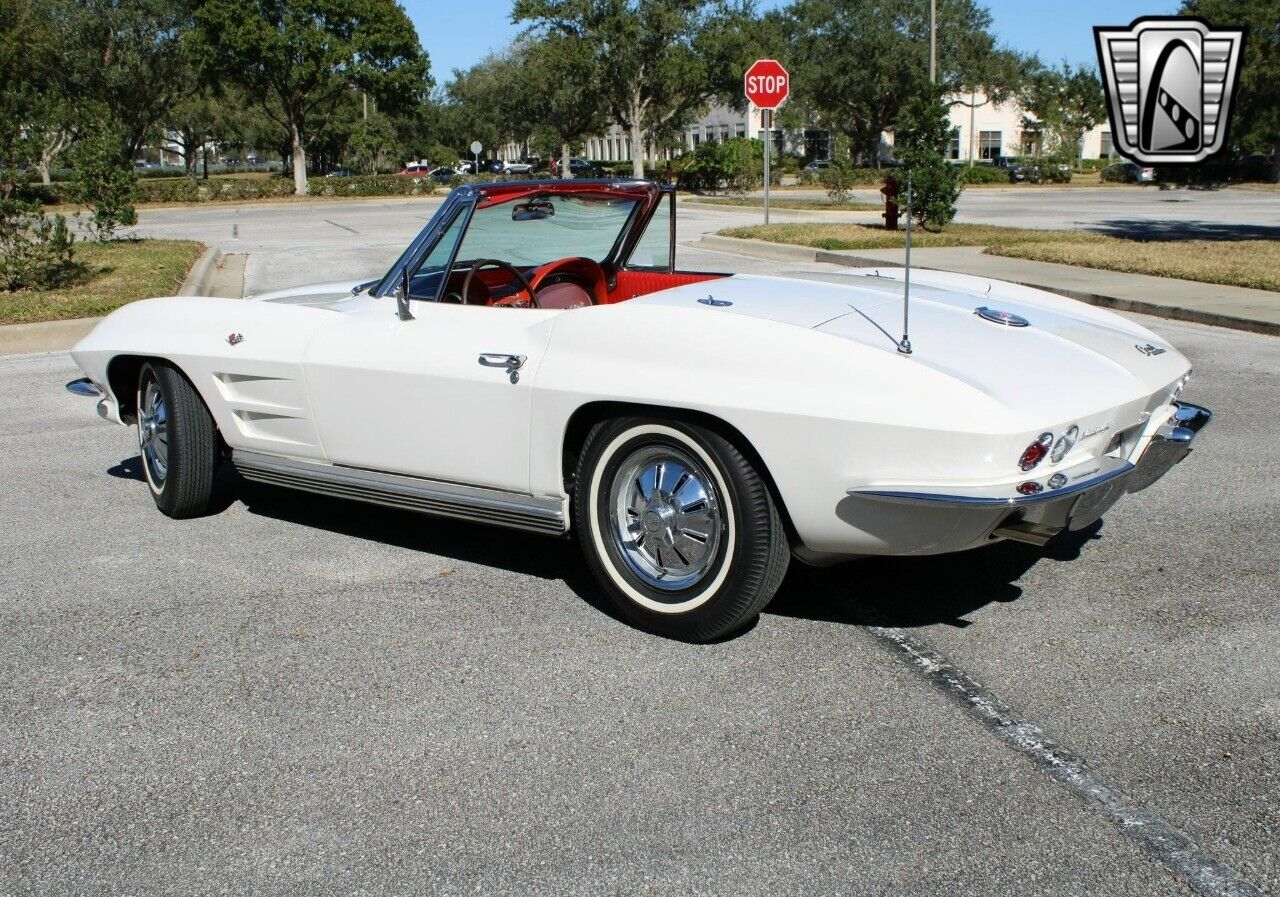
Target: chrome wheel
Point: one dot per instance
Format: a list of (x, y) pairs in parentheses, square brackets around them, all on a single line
[(153, 433), (667, 518)]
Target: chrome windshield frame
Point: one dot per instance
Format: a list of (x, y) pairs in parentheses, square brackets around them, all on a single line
[(469, 195)]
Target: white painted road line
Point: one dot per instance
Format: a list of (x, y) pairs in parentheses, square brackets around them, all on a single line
[(1165, 844)]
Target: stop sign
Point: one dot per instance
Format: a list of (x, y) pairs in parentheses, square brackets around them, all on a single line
[(767, 83)]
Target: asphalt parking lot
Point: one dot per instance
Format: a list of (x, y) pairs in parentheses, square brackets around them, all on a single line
[(302, 695)]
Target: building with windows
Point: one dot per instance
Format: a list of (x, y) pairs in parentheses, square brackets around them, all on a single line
[(983, 131)]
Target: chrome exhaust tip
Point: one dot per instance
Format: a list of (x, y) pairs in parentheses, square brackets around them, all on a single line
[(1036, 534)]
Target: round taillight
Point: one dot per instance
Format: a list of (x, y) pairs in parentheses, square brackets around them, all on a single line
[(1030, 488), (1036, 451), (1066, 442)]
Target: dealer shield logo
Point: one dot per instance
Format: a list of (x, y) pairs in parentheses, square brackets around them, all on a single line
[(1169, 86)]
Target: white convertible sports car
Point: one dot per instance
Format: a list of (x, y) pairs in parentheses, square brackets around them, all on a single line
[(535, 360)]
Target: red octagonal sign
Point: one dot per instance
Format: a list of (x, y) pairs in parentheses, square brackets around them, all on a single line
[(767, 83)]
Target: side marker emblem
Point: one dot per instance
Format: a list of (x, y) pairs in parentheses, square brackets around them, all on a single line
[(235, 339), (1150, 350), (714, 302)]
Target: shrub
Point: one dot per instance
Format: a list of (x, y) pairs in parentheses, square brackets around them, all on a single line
[(735, 164), (102, 182), (983, 174), (1116, 173), (36, 252)]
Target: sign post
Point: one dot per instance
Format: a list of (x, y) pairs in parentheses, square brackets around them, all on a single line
[(476, 147), (767, 85), (766, 117)]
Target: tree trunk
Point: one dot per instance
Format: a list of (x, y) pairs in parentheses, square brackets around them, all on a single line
[(637, 147), (566, 171), (299, 163), (1275, 169), (43, 168)]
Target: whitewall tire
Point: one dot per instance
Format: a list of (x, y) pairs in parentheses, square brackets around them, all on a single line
[(678, 527)]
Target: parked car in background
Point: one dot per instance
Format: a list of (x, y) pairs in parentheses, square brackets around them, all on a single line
[(492, 375), (579, 168), (469, 166), (340, 173), (817, 166), (415, 169), (1016, 170), (443, 175), (517, 167), (1129, 172)]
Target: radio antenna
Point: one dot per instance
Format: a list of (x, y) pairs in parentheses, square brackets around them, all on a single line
[(905, 345)]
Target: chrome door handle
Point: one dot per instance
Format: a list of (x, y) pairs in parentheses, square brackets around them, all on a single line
[(512, 363)]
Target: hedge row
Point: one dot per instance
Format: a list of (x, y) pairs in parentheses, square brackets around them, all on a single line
[(853, 177), (241, 189), (983, 174)]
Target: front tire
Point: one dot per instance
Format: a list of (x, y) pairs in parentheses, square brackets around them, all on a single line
[(178, 440), (678, 527)]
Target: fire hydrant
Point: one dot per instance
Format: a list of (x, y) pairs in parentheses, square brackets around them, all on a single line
[(890, 191)]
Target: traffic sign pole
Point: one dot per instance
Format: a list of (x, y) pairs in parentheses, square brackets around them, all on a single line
[(768, 127)]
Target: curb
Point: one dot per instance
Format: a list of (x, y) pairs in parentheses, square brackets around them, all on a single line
[(197, 282), (59, 336), (759, 210), (786, 252)]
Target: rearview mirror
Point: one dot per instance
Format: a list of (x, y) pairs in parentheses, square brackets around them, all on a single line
[(536, 210)]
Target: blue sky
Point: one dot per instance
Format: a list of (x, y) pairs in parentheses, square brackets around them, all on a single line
[(464, 33)]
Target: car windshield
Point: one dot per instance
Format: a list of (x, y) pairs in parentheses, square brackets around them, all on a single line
[(539, 229)]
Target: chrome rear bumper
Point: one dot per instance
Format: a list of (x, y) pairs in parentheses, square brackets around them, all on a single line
[(1082, 495)]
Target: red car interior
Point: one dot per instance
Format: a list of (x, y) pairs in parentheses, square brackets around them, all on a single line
[(575, 282)]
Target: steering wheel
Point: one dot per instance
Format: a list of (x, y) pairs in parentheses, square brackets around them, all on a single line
[(496, 263)]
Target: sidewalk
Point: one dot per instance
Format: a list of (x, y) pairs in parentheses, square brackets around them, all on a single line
[(1224, 306)]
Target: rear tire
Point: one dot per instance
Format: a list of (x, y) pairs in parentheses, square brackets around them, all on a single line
[(678, 527), (181, 451)]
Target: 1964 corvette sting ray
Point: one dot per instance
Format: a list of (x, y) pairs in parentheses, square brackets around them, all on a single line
[(535, 360)]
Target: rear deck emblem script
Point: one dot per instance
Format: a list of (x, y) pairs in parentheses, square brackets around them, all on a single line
[(235, 339), (1149, 349), (996, 316), (714, 302), (1169, 83)]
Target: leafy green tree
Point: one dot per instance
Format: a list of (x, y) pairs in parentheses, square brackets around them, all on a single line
[(921, 138), (1255, 123), (562, 77), (370, 141), (125, 56), (489, 102), (856, 63), (299, 59), (661, 60), (192, 124), (35, 251), (1067, 101)]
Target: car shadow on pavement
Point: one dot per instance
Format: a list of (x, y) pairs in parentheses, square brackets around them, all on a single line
[(901, 592), (918, 591), (1175, 231), (545, 557)]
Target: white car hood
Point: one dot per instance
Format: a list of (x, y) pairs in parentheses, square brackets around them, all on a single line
[(1070, 350), (316, 295)]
